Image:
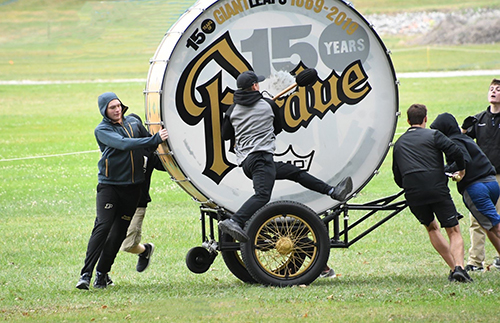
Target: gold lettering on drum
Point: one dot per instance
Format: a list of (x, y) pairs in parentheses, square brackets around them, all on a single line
[(297, 110), (214, 100), (300, 107), (229, 10), (219, 164), (353, 77)]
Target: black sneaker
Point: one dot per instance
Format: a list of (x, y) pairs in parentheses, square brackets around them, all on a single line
[(342, 189), (145, 257), (450, 277), (101, 280), (232, 228), (84, 281), (473, 268), (109, 282), (461, 275)]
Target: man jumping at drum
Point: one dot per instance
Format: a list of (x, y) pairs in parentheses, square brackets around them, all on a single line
[(251, 121)]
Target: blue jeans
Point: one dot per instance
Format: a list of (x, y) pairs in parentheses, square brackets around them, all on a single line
[(480, 199), (261, 168)]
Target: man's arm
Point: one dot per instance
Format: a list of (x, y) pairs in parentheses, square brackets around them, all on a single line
[(227, 130), (398, 178), (451, 150), (112, 139), (452, 167)]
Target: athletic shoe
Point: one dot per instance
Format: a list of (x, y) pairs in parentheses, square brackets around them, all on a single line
[(101, 280), (461, 275), (145, 257), (84, 281), (232, 228), (473, 268), (342, 189), (496, 263), (328, 273), (109, 282), (450, 277)]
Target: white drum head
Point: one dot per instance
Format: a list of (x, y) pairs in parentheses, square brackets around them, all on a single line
[(340, 126)]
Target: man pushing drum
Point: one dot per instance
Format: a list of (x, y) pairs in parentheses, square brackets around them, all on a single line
[(252, 122)]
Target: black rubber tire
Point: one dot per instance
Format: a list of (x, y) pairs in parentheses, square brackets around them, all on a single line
[(199, 260), (288, 245), (234, 262)]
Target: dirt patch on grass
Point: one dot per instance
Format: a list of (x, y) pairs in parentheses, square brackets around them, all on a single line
[(464, 28), (473, 26)]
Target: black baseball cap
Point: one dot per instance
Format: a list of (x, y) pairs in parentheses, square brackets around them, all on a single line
[(247, 79)]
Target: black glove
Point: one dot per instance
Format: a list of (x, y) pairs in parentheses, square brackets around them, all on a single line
[(469, 122)]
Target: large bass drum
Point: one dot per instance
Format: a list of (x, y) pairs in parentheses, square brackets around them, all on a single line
[(341, 125)]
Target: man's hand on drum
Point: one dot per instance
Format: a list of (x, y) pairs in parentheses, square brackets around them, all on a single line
[(163, 134)]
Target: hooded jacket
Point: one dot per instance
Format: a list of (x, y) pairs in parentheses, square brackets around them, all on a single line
[(121, 146), (252, 123), (487, 134), (478, 168)]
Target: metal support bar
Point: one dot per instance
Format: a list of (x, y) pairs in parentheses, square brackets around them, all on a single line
[(203, 228), (383, 204), (376, 225)]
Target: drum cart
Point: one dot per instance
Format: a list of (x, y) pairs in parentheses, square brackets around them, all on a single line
[(289, 244), (351, 109)]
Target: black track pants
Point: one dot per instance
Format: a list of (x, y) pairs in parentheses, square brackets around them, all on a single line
[(115, 207), (263, 170)]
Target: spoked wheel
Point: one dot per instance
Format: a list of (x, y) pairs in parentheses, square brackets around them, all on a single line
[(199, 259), (288, 245), (234, 262)]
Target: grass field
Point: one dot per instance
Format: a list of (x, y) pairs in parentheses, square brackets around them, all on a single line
[(48, 158)]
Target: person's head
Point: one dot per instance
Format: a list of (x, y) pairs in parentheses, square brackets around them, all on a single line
[(114, 111), (417, 114), (111, 107), (494, 92), (249, 81), (446, 123)]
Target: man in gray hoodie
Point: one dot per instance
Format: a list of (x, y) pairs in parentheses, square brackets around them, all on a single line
[(252, 122), (121, 140)]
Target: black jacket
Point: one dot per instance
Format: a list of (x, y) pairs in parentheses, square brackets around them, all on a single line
[(487, 134), (477, 166), (418, 165)]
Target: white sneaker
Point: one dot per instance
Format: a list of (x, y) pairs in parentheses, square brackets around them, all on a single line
[(496, 263), (329, 273)]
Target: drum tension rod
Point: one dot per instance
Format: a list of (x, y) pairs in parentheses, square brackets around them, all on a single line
[(169, 153), (148, 123), (148, 91), (180, 180)]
